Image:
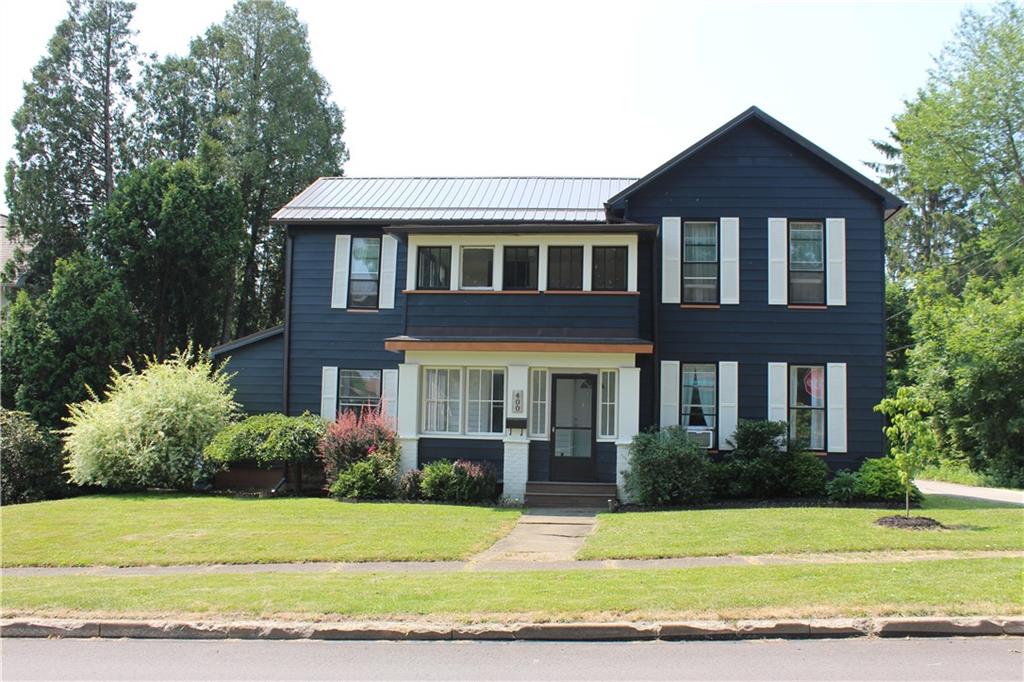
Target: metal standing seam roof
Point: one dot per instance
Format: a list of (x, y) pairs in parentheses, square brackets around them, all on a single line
[(405, 199)]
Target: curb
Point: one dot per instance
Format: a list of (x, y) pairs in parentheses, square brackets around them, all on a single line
[(565, 632)]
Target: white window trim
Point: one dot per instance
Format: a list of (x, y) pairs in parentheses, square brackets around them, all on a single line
[(613, 403), (494, 254), (542, 241), (463, 402)]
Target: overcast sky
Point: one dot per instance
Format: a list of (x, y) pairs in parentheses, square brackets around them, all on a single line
[(563, 88)]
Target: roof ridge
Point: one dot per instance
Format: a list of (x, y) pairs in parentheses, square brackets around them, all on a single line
[(477, 177)]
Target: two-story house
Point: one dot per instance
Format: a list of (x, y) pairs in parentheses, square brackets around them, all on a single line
[(538, 323)]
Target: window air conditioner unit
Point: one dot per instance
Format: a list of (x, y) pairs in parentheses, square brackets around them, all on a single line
[(705, 438)]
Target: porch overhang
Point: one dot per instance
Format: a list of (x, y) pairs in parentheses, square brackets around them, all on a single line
[(542, 345)]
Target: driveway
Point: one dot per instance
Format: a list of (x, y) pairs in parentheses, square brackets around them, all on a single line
[(976, 492)]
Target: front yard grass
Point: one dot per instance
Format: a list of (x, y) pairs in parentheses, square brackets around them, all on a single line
[(947, 587), (143, 529), (974, 525)]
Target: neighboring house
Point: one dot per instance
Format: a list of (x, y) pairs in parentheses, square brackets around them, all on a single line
[(539, 323)]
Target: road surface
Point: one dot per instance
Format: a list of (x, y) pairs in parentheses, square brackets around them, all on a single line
[(989, 659)]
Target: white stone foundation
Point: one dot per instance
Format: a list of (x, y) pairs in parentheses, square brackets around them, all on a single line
[(516, 468)]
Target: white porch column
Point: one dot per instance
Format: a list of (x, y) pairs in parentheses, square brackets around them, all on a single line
[(629, 422), (517, 443), (408, 415)]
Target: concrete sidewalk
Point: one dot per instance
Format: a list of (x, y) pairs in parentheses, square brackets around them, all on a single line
[(971, 491)]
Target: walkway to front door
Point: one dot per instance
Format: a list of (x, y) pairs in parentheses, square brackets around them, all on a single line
[(540, 535)]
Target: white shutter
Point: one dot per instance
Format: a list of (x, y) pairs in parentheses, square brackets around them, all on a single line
[(777, 402), (339, 287), (389, 393), (777, 242), (835, 261), (388, 266), (329, 393), (671, 256), (730, 273), (835, 394), (728, 402), (669, 393)]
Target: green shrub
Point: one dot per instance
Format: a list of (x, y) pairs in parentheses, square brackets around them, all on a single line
[(808, 477), (353, 437), (266, 439), (30, 461), (409, 485), (878, 479), (372, 478), (151, 426), (843, 487), (761, 461), (459, 482), (956, 472), (667, 468)]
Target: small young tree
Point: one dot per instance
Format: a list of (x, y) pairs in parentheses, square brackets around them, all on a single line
[(910, 434)]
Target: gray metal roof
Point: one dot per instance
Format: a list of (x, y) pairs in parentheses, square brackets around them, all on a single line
[(418, 199)]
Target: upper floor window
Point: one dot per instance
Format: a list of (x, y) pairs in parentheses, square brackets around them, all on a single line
[(806, 263), (358, 389), (807, 405), (477, 267), (700, 262), (700, 402), (609, 268), (434, 268), (364, 273), (520, 268), (565, 268)]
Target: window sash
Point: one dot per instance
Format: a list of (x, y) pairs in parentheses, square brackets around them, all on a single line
[(485, 401), (477, 274), (434, 267), (520, 268), (364, 273), (700, 262), (699, 396), (807, 402), (565, 268), (358, 389), (538, 417), (442, 406), (608, 402), (609, 268)]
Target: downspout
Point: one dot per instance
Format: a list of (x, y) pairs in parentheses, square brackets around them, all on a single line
[(287, 313)]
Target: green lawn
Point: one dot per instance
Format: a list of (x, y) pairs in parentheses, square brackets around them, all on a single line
[(975, 525), (135, 530), (954, 587)]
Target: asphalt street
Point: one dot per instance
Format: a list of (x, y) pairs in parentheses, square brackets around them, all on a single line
[(988, 659)]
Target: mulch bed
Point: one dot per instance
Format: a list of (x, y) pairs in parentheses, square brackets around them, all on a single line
[(909, 523)]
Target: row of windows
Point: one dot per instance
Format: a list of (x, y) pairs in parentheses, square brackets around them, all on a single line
[(520, 266), (806, 250), (806, 405)]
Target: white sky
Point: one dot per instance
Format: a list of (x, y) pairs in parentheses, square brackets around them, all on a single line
[(559, 87)]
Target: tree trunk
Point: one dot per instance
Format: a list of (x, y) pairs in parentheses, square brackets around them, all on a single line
[(907, 493)]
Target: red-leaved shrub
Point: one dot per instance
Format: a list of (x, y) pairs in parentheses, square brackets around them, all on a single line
[(354, 437)]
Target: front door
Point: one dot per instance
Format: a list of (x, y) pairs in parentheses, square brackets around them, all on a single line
[(572, 427)]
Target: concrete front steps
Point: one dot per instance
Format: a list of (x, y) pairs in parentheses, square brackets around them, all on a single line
[(569, 495)]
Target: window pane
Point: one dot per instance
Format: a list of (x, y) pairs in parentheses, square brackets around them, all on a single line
[(477, 268), (565, 268), (442, 395), (485, 400), (807, 287), (806, 247), (358, 389), (609, 390), (364, 273), (520, 269), (807, 428), (700, 242), (539, 402), (700, 400), (806, 386), (700, 282), (434, 267), (609, 272)]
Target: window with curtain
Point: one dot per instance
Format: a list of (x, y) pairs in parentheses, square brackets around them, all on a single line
[(609, 395), (609, 268), (364, 273), (807, 405), (485, 400), (442, 392), (434, 267), (565, 268), (700, 397), (807, 263), (358, 389), (700, 262), (520, 268), (539, 403), (477, 267)]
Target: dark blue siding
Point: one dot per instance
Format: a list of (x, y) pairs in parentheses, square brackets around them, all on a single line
[(540, 460), (258, 370), (586, 316), (491, 452), (324, 336), (753, 172), (605, 455)]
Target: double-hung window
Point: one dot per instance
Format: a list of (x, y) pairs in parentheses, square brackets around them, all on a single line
[(358, 389), (477, 267), (520, 268), (807, 406), (565, 268), (364, 273), (434, 267), (485, 400), (700, 262), (806, 263), (700, 402), (609, 268)]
